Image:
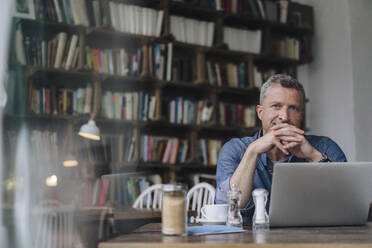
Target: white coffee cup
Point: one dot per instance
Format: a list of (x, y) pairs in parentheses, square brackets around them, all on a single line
[(215, 212)]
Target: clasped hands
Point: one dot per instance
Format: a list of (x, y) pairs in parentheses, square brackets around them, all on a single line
[(288, 139)]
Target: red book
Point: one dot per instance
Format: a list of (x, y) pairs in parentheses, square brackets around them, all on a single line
[(228, 6), (103, 194), (149, 149), (47, 101)]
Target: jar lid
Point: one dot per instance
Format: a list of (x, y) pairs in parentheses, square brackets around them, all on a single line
[(173, 187)]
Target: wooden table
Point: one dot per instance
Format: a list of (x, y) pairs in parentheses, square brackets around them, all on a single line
[(149, 236)]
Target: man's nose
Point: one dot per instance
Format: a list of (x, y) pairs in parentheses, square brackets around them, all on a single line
[(283, 115)]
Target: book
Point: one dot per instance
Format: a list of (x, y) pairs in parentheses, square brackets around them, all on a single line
[(212, 229)]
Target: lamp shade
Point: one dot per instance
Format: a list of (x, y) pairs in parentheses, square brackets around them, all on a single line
[(90, 130)]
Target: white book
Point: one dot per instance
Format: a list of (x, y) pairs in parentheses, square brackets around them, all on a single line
[(20, 52), (257, 78), (97, 13), (261, 8), (137, 18), (114, 15), (218, 5), (88, 99), (210, 34), (121, 21), (74, 10), (126, 18), (131, 18), (173, 27), (152, 23), (182, 28), (152, 108), (61, 37), (179, 110), (145, 16), (107, 105), (129, 106), (202, 38), (214, 152), (71, 52), (159, 22), (80, 100), (83, 13), (58, 10), (111, 62), (131, 149), (189, 30), (169, 61)]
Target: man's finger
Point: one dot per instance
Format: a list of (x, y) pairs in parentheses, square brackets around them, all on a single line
[(280, 146), (287, 138), (286, 125), (287, 132), (290, 145)]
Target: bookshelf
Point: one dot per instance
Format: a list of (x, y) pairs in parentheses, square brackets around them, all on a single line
[(145, 82)]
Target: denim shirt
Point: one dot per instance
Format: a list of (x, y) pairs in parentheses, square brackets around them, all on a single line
[(232, 153)]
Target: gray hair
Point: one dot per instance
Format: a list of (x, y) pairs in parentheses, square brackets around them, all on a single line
[(285, 81)]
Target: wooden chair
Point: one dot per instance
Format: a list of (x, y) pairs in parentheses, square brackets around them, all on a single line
[(150, 199), (198, 196), (55, 226)]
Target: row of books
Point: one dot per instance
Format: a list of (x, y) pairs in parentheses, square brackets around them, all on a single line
[(160, 58), (192, 31), (114, 61), (265, 74), (77, 12), (164, 149), (230, 74), (136, 19), (53, 100), (62, 51), (129, 105), (242, 39), (186, 111), (287, 47), (112, 148), (237, 115), (208, 151), (260, 9), (116, 190)]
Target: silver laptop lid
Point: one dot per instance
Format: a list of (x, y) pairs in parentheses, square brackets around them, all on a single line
[(320, 194)]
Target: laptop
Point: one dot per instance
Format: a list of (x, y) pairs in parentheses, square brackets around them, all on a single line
[(320, 194)]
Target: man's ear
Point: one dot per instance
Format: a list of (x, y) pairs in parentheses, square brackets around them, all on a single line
[(259, 109)]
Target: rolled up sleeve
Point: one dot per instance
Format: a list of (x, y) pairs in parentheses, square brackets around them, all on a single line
[(228, 161)]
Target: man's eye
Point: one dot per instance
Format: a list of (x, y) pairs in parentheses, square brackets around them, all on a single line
[(293, 108), (275, 106)]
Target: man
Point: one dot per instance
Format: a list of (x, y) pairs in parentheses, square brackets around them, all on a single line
[(249, 162)]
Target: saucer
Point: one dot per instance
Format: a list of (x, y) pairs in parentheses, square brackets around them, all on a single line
[(210, 222)]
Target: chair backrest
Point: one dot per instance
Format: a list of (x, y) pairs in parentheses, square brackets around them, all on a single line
[(55, 227), (150, 199), (198, 196)]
